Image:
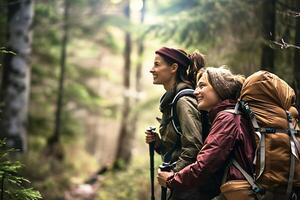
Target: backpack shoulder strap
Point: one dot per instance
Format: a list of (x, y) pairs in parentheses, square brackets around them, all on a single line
[(175, 121), (248, 177), (174, 116), (235, 111)]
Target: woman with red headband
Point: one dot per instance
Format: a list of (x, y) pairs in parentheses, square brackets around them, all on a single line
[(176, 70)]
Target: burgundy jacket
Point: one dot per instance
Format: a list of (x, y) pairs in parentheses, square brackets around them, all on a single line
[(230, 137)]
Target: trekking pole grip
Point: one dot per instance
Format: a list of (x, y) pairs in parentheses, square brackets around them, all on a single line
[(151, 144)]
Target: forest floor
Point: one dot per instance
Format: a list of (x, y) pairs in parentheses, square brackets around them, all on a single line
[(132, 184), (85, 191)]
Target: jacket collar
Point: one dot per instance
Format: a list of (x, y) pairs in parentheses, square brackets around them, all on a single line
[(166, 99), (223, 105)]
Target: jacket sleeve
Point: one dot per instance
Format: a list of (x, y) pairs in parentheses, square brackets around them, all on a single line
[(190, 124), (160, 148), (212, 157)]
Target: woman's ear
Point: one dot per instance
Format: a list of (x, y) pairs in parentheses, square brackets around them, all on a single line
[(174, 67)]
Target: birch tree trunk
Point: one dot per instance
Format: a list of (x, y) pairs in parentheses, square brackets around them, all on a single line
[(16, 74)]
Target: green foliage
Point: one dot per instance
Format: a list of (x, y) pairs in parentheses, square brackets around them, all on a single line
[(227, 30), (14, 185), (145, 105), (45, 73), (54, 177), (202, 21), (48, 175), (79, 95), (134, 183)]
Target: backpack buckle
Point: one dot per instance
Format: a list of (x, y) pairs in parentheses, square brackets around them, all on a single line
[(267, 130), (247, 109), (289, 116), (257, 189)]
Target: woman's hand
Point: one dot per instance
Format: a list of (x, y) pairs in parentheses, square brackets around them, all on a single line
[(152, 137), (162, 177)]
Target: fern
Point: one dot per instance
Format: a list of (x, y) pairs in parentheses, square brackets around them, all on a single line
[(12, 185)]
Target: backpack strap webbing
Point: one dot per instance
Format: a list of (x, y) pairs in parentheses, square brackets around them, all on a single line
[(255, 188), (175, 121), (261, 135), (291, 177), (233, 162), (249, 178), (294, 145), (275, 130), (295, 149)]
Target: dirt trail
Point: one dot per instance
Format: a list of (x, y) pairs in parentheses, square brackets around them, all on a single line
[(87, 190)]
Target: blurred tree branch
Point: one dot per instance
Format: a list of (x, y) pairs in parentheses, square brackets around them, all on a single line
[(284, 45), (4, 50)]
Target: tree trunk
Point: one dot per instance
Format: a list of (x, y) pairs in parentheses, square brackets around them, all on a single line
[(3, 24), (16, 74), (138, 75), (55, 138), (268, 32), (297, 58), (124, 145), (3, 20)]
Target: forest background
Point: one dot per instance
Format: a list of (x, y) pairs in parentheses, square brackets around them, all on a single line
[(76, 92)]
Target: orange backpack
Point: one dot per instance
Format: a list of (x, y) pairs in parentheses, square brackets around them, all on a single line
[(268, 102)]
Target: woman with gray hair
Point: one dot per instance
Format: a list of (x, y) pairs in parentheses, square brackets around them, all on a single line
[(229, 137)]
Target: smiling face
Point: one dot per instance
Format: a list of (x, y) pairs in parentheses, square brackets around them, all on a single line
[(206, 96), (163, 73)]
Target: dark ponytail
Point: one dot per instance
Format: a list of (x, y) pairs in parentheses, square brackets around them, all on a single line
[(189, 74), (197, 63)]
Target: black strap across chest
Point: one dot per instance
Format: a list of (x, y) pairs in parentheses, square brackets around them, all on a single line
[(175, 121)]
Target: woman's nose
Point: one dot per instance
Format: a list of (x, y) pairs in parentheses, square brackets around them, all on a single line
[(151, 70), (197, 90)]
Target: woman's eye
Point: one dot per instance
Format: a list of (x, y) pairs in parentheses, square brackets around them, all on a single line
[(201, 86)]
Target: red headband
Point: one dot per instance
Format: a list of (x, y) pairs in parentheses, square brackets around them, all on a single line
[(175, 55)]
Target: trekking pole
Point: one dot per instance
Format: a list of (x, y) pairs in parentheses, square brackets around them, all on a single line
[(164, 191), (165, 167), (151, 154)]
